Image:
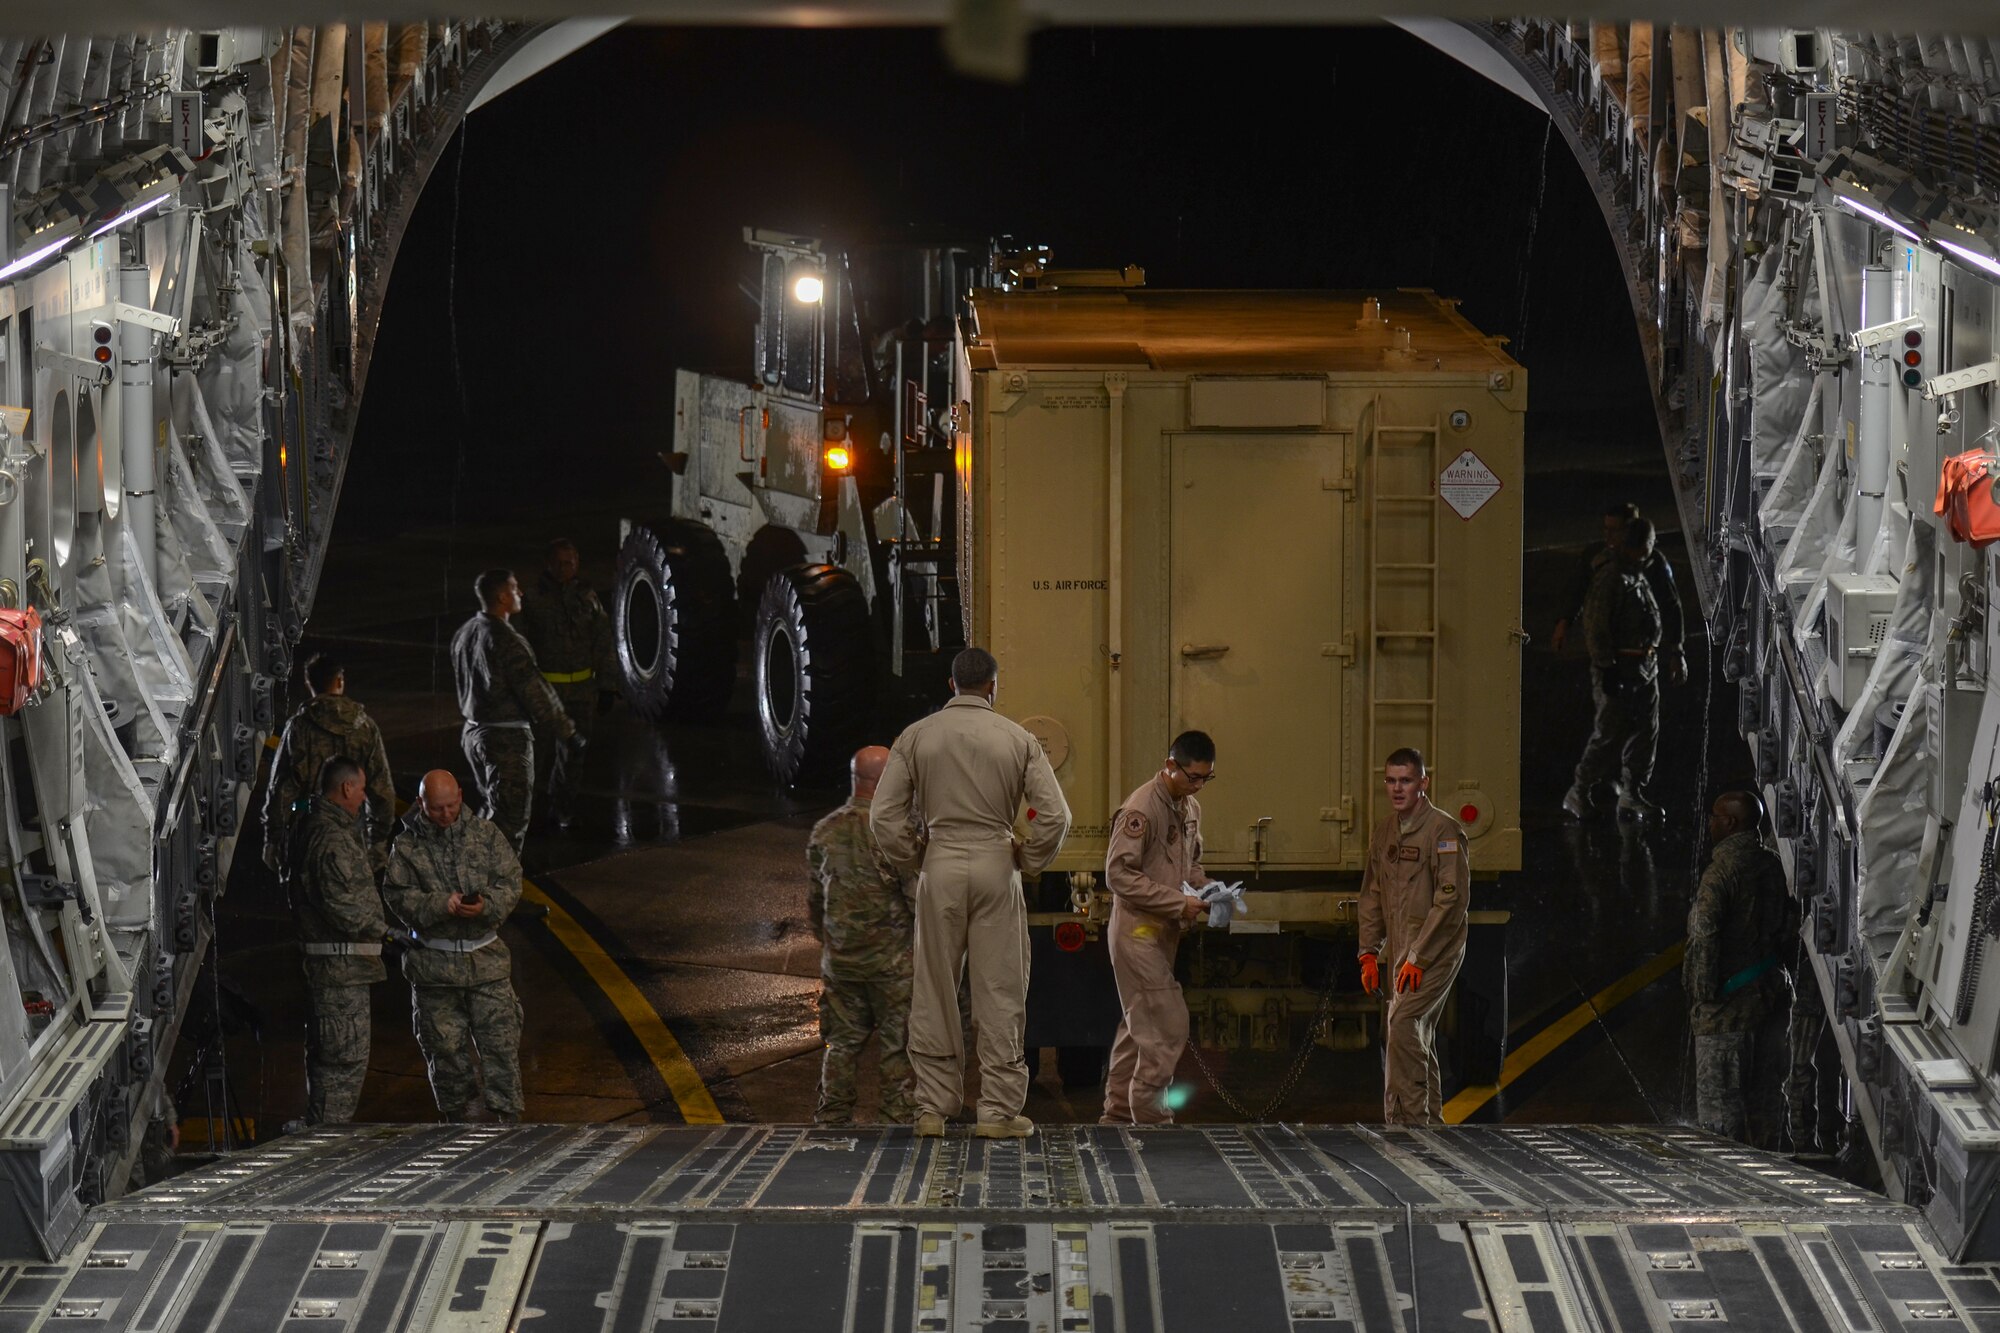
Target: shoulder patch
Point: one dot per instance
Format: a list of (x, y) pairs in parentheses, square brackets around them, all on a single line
[(1133, 825), (1447, 844)]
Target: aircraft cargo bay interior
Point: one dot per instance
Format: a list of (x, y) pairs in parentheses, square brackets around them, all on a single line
[(980, 670)]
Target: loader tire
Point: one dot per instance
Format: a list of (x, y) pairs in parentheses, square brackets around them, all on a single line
[(814, 671), (671, 622)]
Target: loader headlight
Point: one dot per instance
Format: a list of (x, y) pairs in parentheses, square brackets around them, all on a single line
[(808, 287)]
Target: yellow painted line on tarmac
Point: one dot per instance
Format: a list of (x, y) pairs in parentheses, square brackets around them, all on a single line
[(1549, 1039), (678, 1072)]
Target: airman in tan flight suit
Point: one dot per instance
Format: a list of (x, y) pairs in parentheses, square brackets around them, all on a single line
[(963, 773), (1155, 848), (1413, 917)]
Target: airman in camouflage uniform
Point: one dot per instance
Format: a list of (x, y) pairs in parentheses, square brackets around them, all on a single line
[(341, 927), (865, 916), (453, 880), (1739, 998), (504, 701), (571, 634), (328, 725), (1621, 625)]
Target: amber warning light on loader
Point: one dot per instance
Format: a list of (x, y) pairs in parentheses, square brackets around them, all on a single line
[(838, 458)]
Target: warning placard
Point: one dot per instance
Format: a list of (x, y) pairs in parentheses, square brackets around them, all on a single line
[(1467, 484)]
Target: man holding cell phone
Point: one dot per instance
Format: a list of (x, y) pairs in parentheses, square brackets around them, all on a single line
[(453, 880)]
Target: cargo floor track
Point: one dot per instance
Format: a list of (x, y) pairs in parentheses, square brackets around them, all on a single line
[(775, 1229)]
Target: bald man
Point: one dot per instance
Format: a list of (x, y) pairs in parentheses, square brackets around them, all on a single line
[(453, 879), (863, 911), (1742, 926)]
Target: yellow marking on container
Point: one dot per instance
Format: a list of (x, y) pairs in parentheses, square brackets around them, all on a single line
[(644, 1021), (1538, 1047)]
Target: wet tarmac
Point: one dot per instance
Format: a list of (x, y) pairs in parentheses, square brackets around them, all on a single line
[(683, 869)]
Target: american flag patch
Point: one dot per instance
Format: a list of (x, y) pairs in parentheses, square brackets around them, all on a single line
[(1447, 844)]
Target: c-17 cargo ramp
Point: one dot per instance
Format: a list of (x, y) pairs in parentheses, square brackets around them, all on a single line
[(1180, 1229)]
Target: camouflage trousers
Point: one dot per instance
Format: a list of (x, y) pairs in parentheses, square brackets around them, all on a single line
[(850, 1009), (503, 766), (454, 1025), (1808, 1025), (1624, 736), (336, 1051), (1739, 1082)]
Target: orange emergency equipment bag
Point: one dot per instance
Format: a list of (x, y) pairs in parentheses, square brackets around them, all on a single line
[(20, 658), (1965, 497)]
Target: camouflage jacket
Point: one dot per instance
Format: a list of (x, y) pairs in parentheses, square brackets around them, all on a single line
[(1741, 917), (498, 679), (861, 908), (338, 902), (1620, 614), (426, 866), (327, 727), (569, 630)]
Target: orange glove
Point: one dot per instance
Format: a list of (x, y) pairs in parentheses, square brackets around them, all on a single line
[(1371, 973), (1408, 977)]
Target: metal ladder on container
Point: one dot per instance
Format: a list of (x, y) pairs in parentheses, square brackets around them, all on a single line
[(1380, 438)]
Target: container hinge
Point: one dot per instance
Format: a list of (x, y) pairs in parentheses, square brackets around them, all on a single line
[(1338, 814), (1345, 650), (1342, 483)]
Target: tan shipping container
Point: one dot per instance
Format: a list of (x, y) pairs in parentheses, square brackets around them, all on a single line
[(1290, 519)]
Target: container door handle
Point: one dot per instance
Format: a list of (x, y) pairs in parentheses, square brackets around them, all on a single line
[(1195, 652)]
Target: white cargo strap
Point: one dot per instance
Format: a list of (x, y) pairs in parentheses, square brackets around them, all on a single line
[(457, 946), (342, 950)]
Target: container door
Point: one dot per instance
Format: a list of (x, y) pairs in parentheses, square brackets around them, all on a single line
[(1256, 636)]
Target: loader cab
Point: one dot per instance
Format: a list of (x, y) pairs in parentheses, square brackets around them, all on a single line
[(809, 339)]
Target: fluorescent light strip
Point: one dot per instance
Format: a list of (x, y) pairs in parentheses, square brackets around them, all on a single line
[(1970, 256), (33, 258), (1883, 218), (129, 214)]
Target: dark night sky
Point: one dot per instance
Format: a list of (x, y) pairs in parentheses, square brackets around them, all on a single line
[(599, 210)]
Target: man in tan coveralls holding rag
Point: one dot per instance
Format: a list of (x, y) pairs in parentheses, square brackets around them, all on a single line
[(1155, 848), (964, 773), (1413, 918)]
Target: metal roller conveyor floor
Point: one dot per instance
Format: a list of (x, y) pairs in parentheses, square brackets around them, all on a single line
[(748, 1229)]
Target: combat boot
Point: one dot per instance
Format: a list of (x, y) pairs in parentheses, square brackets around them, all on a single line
[(930, 1125), (1635, 805), (1014, 1127)]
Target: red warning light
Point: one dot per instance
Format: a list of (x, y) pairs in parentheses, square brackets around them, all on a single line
[(1913, 358), (1468, 814), (1069, 936)]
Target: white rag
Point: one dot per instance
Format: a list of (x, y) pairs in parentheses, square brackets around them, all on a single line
[(1224, 900)]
